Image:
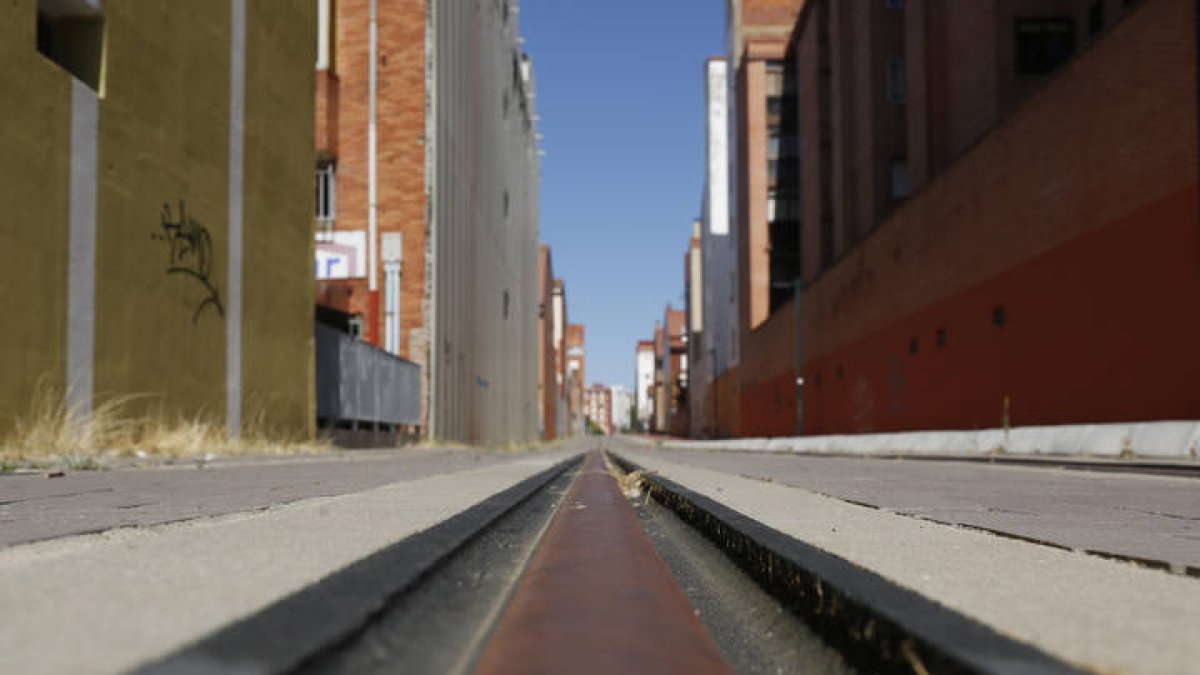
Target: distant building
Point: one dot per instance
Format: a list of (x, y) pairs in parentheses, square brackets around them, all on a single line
[(675, 373), (716, 352), (598, 408), (644, 380), (565, 414), (662, 391), (699, 354), (549, 382), (576, 376), (622, 405)]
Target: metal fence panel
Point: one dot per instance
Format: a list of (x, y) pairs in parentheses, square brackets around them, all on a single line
[(360, 383)]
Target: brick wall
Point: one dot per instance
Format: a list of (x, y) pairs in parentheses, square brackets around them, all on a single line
[(767, 373), (401, 149), (1078, 215)]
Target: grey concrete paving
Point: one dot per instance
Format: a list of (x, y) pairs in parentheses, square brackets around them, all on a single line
[(1155, 518), (109, 602), (1096, 613), (34, 508)]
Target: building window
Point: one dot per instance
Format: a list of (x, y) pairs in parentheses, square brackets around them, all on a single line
[(999, 316), (1096, 18), (1044, 44), (327, 36), (326, 193), (941, 337), (900, 186), (71, 34), (893, 4), (775, 78), (897, 81)]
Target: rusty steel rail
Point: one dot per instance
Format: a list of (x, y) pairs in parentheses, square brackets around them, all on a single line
[(597, 598)]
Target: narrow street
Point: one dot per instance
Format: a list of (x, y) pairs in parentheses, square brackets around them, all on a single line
[(598, 555)]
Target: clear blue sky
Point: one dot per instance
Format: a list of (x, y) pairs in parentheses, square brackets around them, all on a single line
[(621, 98)]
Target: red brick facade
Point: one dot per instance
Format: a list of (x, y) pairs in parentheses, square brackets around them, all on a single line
[(342, 131), (1044, 268), (1048, 276), (548, 388)]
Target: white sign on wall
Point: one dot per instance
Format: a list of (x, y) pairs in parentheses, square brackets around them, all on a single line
[(342, 255)]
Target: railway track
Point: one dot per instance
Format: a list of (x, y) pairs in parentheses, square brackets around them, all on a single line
[(593, 567)]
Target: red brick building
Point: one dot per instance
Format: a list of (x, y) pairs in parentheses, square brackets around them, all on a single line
[(576, 376), (385, 288), (1045, 269), (762, 398), (549, 382), (598, 407), (986, 212)]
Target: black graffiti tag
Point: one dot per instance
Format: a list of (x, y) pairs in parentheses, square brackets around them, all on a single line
[(190, 253)]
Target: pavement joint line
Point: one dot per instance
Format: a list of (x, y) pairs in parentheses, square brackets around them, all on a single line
[(300, 627), (851, 606), (1142, 561)]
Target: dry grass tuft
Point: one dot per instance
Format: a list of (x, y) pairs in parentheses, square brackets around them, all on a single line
[(52, 432)]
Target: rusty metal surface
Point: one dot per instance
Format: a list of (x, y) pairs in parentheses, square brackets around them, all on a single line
[(597, 598)]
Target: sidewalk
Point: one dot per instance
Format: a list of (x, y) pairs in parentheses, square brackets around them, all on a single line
[(34, 508), (1153, 519), (1098, 614), (110, 602)]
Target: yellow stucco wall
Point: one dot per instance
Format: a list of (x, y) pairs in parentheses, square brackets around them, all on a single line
[(280, 285), (164, 138), (35, 101), (164, 127)]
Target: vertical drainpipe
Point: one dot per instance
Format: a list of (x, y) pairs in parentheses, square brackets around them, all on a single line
[(372, 159), (81, 272), (798, 300), (237, 149), (433, 352)]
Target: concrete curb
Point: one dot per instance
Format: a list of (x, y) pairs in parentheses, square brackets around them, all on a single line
[(879, 625), (1173, 440), (288, 633)]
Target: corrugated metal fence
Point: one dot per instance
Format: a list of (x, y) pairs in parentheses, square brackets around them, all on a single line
[(359, 384)]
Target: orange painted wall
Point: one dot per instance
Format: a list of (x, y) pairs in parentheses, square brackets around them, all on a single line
[(727, 404), (1078, 214), (768, 376), (1104, 328)]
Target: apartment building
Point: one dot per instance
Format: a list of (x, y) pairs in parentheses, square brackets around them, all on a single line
[(622, 404), (576, 376), (157, 209), (598, 409), (644, 381), (715, 352), (675, 373), (558, 302)]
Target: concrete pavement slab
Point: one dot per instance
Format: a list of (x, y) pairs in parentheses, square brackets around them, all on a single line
[(1140, 517), (109, 602), (1096, 613), (33, 508)]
